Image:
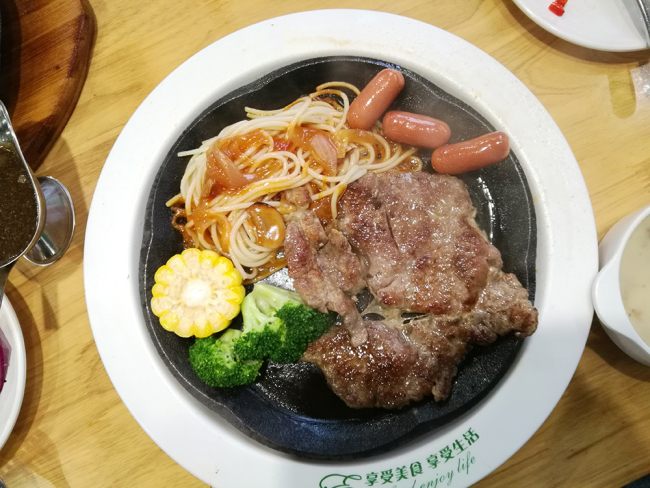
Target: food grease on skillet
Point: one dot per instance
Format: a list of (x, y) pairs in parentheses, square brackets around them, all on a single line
[(291, 408)]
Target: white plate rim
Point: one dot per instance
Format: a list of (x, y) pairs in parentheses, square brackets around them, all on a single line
[(202, 442), (12, 392), (531, 9)]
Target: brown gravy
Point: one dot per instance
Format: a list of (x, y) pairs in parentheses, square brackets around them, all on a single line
[(18, 205)]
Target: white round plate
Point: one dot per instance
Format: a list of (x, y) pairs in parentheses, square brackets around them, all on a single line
[(11, 396), (607, 25), (567, 256)]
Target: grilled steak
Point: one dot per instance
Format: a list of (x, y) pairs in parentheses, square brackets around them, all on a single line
[(417, 234), (417, 247), (324, 269), (401, 363), (385, 371), (395, 366)]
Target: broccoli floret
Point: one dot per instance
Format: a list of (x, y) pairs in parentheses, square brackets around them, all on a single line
[(216, 364), (277, 325), (262, 331), (268, 299), (303, 325)]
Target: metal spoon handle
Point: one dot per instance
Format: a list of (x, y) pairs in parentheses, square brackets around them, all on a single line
[(4, 274), (644, 5)]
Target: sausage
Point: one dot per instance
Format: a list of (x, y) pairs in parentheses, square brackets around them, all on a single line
[(416, 130), (473, 154), (374, 99)]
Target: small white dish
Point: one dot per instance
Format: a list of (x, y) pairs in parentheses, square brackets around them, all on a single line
[(606, 291), (11, 396), (606, 25)]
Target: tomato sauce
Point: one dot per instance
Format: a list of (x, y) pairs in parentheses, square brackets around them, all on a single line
[(179, 222), (323, 209), (357, 136), (236, 146), (303, 138), (276, 263), (203, 217), (282, 145)]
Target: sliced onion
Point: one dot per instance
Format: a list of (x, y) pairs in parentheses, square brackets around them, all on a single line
[(319, 143), (324, 152), (222, 171)]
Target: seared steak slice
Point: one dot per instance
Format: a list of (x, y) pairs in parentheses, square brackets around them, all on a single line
[(396, 366), (417, 235), (323, 268), (503, 307), (339, 264), (446, 339), (400, 364), (385, 371)]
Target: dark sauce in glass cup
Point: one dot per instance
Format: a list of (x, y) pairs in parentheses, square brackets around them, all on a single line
[(18, 205)]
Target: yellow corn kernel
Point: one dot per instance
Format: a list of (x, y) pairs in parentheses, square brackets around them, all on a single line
[(164, 275), (159, 290), (169, 320)]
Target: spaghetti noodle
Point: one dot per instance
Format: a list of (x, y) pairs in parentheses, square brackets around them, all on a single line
[(307, 143)]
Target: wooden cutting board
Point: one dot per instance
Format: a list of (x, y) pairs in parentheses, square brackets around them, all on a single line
[(45, 51)]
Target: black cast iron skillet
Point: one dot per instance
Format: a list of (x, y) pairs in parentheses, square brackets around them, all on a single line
[(291, 408)]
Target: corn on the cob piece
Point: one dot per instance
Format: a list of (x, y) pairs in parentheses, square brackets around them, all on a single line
[(197, 293)]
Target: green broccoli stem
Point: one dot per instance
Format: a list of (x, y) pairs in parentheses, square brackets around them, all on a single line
[(269, 299), (277, 326)]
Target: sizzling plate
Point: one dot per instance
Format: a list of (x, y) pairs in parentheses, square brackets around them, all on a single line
[(291, 407)]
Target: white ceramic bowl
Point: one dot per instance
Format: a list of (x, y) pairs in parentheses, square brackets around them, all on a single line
[(11, 397), (202, 441), (607, 25), (606, 291)]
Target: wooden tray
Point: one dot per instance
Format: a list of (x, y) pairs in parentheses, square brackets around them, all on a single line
[(45, 52)]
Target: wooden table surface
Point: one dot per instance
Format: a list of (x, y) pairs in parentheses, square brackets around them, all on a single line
[(73, 429)]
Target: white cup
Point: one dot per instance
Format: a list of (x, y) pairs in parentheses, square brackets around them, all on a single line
[(606, 290)]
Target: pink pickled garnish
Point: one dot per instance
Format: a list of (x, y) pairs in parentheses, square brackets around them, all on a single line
[(557, 7), (3, 366)]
